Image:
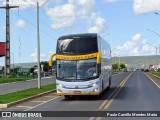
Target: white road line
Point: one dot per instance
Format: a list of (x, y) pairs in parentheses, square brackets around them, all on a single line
[(42, 103), (37, 101), (48, 96), (24, 106), (152, 80), (99, 118), (91, 118), (35, 106)]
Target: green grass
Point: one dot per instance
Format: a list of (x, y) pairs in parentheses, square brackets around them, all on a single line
[(155, 73), (11, 97), (7, 80)]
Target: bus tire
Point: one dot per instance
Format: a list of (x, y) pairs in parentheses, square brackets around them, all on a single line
[(67, 96), (110, 82), (102, 86)]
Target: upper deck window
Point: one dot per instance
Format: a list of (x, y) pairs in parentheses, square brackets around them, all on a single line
[(77, 45)]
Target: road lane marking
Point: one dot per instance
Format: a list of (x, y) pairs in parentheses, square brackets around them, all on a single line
[(110, 99), (99, 118), (42, 103), (152, 80), (24, 106), (38, 101), (91, 118), (48, 96), (107, 100), (34, 106), (116, 93)]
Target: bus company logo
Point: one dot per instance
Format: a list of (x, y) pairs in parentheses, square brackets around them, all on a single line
[(6, 114)]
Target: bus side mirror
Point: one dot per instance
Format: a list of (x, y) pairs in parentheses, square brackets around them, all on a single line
[(98, 58), (51, 59)]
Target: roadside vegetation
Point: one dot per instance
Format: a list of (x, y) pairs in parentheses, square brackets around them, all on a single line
[(14, 79), (155, 73), (11, 97), (118, 67)]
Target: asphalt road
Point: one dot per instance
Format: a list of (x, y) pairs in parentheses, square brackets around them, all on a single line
[(21, 85), (133, 92)]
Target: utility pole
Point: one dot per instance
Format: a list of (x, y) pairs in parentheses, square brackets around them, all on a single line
[(13, 62), (38, 48), (7, 56), (38, 44)]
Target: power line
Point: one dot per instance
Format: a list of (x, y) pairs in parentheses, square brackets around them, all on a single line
[(34, 26)]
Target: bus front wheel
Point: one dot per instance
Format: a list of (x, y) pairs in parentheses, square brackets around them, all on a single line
[(109, 82), (67, 96)]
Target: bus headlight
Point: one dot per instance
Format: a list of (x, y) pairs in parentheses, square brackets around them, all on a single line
[(59, 85), (95, 90), (95, 84)]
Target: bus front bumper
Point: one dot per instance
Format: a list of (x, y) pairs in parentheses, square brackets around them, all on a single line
[(93, 93)]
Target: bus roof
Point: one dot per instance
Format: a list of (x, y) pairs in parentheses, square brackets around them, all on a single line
[(79, 35)]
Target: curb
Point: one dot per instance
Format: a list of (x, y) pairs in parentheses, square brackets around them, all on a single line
[(25, 99)]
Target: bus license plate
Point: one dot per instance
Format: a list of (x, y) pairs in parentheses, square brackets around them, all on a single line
[(77, 92)]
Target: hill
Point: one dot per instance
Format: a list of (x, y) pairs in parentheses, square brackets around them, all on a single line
[(138, 61), (131, 61)]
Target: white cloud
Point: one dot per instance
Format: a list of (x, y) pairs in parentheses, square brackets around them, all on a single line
[(99, 22), (62, 10), (84, 7), (136, 37), (145, 6), (62, 15), (34, 55), (65, 15), (20, 24), (134, 47)]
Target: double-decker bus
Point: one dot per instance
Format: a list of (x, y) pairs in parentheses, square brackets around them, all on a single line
[(83, 65)]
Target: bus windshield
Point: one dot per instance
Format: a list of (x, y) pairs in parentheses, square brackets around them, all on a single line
[(81, 69)]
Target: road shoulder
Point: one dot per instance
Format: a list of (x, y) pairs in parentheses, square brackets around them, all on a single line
[(154, 79)]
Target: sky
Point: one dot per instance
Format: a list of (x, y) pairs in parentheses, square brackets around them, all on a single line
[(129, 26)]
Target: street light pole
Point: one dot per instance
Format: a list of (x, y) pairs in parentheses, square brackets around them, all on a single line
[(38, 48), (38, 43), (154, 32), (157, 35)]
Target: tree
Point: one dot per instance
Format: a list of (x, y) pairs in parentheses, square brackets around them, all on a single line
[(46, 66), (33, 68), (122, 66), (114, 66), (118, 66)]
